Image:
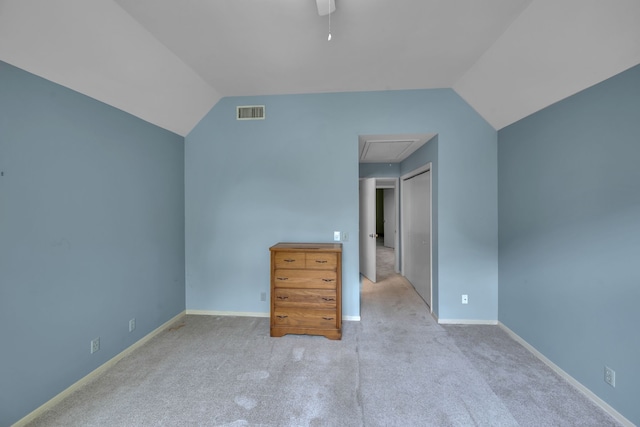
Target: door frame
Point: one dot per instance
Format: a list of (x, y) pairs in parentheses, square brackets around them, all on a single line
[(417, 171)]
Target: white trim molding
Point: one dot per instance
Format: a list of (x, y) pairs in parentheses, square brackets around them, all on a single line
[(467, 322), (95, 373), (227, 313), (575, 383)]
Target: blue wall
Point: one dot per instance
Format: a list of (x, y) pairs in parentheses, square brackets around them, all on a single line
[(379, 170), (569, 206), (294, 177), (91, 235)]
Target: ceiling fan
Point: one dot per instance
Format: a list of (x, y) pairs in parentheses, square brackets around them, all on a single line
[(325, 7)]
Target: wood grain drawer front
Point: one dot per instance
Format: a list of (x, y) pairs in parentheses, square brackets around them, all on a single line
[(308, 298), (290, 260), (321, 260), (305, 318), (316, 279)]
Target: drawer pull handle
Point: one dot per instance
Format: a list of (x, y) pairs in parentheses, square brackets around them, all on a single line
[(289, 260), (282, 317), (328, 299), (283, 278), (327, 280), (283, 297), (321, 261), (328, 318)]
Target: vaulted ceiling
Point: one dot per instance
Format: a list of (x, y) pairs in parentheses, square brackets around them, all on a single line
[(169, 61)]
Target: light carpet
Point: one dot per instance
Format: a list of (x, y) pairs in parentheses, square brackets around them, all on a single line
[(396, 367)]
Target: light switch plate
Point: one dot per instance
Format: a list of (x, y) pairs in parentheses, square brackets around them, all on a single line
[(336, 236)]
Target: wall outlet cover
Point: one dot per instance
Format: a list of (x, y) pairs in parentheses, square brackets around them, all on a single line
[(609, 376), (95, 345)]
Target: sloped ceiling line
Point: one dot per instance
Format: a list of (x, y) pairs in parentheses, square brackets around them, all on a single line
[(169, 62)]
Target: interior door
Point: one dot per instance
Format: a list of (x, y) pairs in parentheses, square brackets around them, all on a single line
[(368, 228), (416, 226), (389, 204)]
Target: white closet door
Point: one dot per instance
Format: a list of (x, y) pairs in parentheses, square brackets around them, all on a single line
[(416, 226)]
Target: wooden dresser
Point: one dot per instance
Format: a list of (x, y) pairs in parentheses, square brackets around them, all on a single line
[(306, 289)]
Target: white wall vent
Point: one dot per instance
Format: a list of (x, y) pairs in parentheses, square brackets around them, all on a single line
[(250, 112)]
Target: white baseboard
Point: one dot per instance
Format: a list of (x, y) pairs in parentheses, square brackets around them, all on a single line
[(248, 314), (575, 383), (467, 322), (95, 373), (226, 313)]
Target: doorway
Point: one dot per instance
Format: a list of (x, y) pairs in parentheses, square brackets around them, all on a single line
[(379, 217), (389, 228), (386, 207)]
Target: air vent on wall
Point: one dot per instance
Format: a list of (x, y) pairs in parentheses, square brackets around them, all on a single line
[(250, 112)]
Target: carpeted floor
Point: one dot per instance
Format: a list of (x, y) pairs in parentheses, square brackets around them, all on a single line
[(397, 367)]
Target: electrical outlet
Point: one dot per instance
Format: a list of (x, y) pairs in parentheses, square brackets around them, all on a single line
[(95, 345), (263, 296), (609, 376), (465, 299), (336, 236), (132, 324)]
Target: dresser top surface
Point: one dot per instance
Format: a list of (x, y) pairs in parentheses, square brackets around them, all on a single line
[(307, 247)]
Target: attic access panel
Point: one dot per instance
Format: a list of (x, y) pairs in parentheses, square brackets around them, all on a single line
[(390, 148)]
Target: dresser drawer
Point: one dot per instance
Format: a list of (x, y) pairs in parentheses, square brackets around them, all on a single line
[(308, 298), (321, 260), (290, 260), (307, 318), (317, 279)]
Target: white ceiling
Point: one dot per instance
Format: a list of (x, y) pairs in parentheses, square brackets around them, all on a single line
[(168, 62)]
